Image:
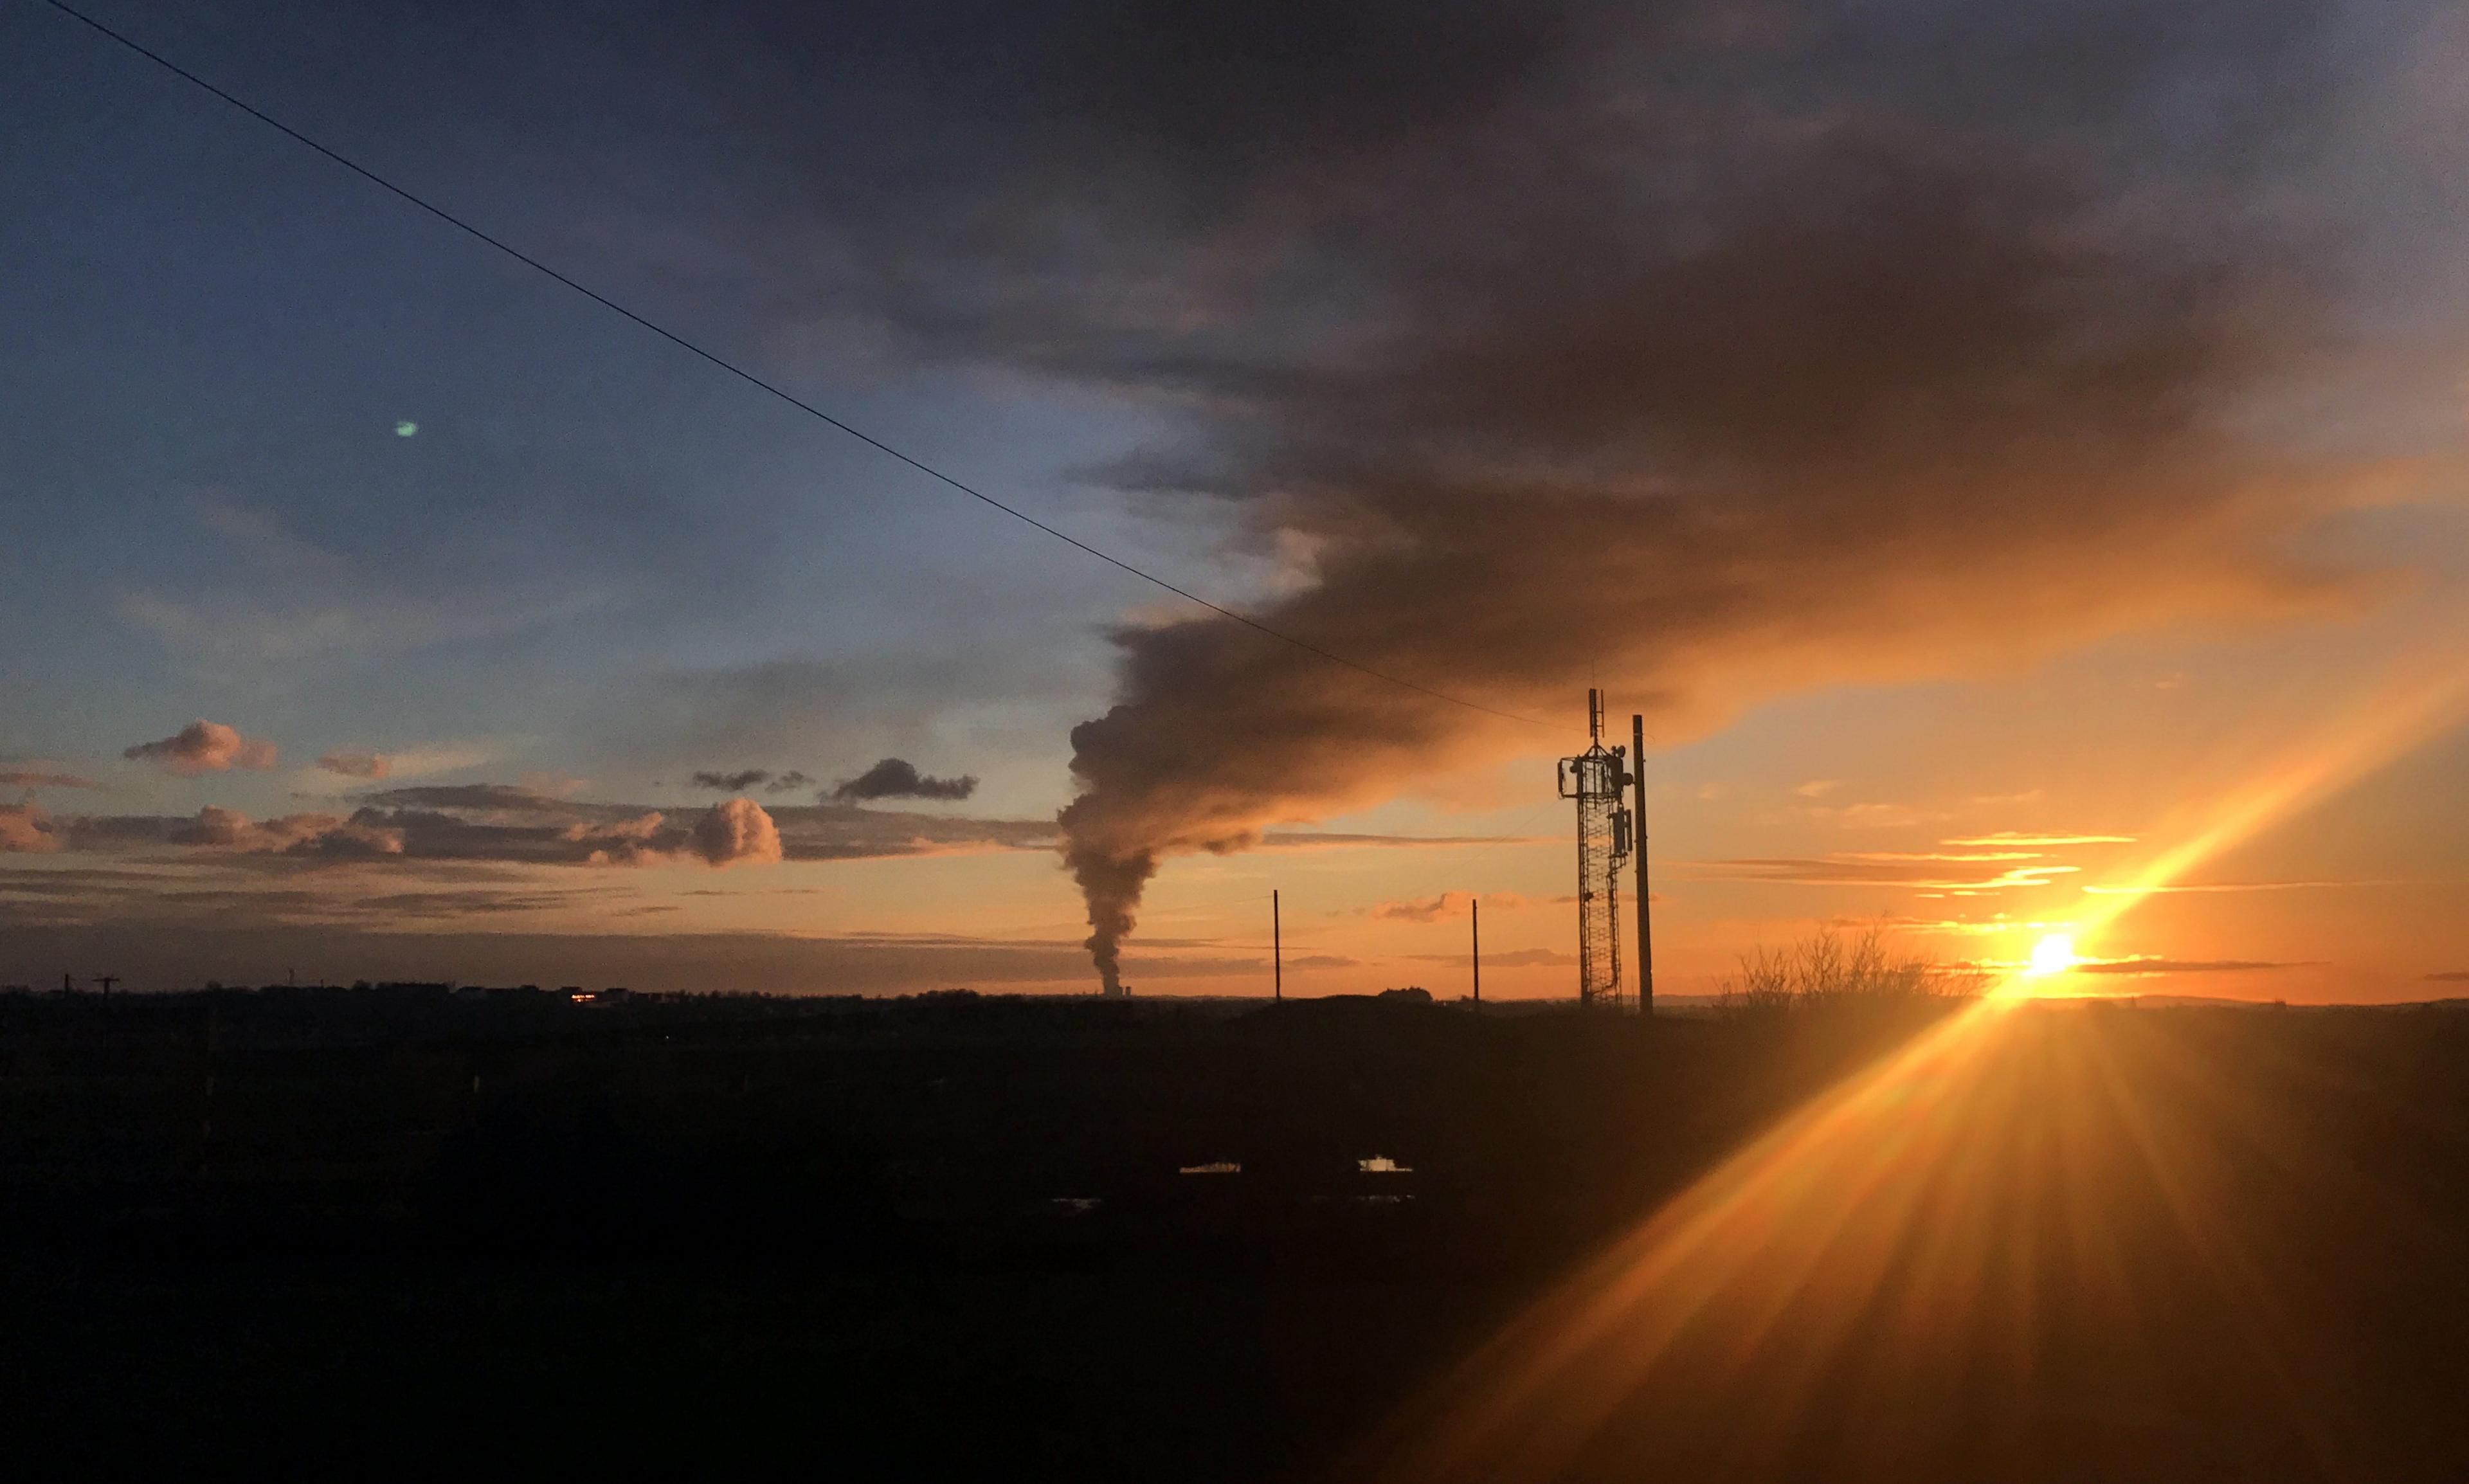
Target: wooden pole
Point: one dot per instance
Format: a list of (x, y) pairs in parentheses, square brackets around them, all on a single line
[(1645, 930), (1474, 923), (1277, 954)]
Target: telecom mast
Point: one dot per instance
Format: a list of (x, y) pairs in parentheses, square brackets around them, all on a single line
[(1598, 779)]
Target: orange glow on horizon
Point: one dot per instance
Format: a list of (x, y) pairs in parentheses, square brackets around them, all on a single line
[(1872, 1203), (2405, 711)]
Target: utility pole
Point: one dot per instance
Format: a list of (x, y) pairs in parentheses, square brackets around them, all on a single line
[(1645, 903), (106, 981), (1277, 954), (1474, 924)]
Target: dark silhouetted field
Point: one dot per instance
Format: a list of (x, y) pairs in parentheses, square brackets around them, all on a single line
[(319, 1230)]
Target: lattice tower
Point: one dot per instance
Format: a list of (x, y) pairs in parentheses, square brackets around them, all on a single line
[(1598, 779)]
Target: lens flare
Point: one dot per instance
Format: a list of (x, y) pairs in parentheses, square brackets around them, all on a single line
[(1921, 1213)]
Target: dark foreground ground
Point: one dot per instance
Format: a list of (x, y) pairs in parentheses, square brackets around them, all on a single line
[(388, 1231)]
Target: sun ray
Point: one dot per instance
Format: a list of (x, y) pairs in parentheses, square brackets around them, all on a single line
[(1769, 1272)]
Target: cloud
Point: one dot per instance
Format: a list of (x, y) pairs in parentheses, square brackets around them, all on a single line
[(788, 783), (1871, 871), (732, 782), (2197, 888), (1448, 904), (1872, 816), (893, 779), (737, 831), (45, 779), (2015, 838), (2156, 965), (502, 821), (1337, 840), (204, 747), (296, 834), (1528, 958), (357, 765), (2451, 977), (470, 795), (25, 830), (1929, 855)]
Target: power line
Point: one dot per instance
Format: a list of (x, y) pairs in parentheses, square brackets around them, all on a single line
[(751, 378)]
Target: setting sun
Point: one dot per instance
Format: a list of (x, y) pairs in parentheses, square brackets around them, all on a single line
[(2054, 954)]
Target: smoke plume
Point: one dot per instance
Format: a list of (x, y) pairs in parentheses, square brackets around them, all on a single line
[(1703, 387), (1708, 348)]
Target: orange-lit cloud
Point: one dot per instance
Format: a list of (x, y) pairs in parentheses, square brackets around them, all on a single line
[(204, 747), (1873, 869), (357, 765), (25, 830), (320, 834), (2015, 838), (1448, 904), (45, 779), (737, 831)]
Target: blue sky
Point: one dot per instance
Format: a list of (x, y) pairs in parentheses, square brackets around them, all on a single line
[(599, 565)]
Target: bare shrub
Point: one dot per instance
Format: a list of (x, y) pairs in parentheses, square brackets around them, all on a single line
[(1824, 968)]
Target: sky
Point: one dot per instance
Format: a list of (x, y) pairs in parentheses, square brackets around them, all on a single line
[(2011, 456)]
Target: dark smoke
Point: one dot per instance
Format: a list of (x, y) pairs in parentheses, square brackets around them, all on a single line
[(732, 782), (1709, 406), (893, 779), (1709, 347)]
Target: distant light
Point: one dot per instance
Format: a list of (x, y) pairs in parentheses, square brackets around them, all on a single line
[(2054, 954), (406, 428)]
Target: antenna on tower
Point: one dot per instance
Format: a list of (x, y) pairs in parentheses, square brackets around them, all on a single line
[(1598, 779)]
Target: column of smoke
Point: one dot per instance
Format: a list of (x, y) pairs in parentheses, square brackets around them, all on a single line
[(1890, 415), (1701, 350)]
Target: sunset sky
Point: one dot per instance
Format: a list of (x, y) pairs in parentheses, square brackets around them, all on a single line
[(2013, 455)]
